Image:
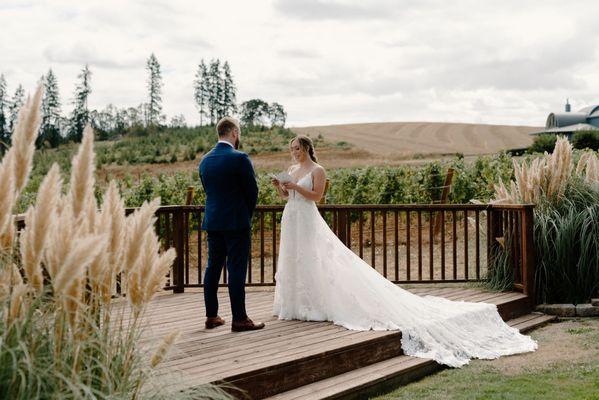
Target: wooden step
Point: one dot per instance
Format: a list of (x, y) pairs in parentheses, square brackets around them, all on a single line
[(359, 383), (284, 376)]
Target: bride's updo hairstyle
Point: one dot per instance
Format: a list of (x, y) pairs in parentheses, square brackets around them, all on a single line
[(306, 144)]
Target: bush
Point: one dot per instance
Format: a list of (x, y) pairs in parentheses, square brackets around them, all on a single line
[(586, 140), (567, 246), (566, 232), (543, 143)]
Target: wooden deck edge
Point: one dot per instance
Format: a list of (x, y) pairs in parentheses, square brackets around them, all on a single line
[(515, 308), (283, 377), (400, 376)]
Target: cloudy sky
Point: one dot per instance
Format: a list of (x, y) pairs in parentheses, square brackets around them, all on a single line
[(326, 61)]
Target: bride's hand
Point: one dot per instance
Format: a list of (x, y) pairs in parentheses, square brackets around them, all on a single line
[(275, 182), (290, 186)]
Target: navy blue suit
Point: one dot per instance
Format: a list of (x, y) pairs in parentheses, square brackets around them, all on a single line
[(231, 195)]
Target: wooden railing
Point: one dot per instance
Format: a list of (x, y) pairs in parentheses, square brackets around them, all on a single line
[(419, 243), (410, 243)]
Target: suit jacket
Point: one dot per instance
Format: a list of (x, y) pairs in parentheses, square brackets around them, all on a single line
[(231, 191)]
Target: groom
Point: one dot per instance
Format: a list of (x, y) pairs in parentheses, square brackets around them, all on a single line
[(231, 195)]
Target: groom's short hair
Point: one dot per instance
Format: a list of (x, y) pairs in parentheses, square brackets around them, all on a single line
[(226, 125)]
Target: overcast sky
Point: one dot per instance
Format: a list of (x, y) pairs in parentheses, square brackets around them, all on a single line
[(327, 62)]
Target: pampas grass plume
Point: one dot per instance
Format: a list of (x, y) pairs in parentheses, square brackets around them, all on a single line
[(163, 349)]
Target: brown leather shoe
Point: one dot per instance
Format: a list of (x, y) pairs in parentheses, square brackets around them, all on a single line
[(247, 325), (213, 322)]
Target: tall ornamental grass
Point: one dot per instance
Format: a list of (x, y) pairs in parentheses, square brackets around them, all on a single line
[(566, 228), (61, 334)]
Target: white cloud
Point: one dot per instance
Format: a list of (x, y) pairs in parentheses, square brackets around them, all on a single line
[(325, 61)]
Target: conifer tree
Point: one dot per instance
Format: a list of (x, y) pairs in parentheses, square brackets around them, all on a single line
[(14, 107), (80, 115), (51, 119), (154, 106), (216, 92), (202, 91), (4, 117), (229, 91)]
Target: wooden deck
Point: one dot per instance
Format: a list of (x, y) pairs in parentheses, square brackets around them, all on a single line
[(295, 359)]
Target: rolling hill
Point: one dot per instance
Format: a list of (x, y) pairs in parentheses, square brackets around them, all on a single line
[(409, 138)]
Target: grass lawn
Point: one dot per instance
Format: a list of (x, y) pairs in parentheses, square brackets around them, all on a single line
[(566, 366)]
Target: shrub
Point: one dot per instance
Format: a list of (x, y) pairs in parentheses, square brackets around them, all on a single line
[(543, 143), (586, 140), (566, 231)]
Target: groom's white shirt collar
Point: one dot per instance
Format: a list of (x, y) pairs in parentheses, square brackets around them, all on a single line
[(224, 141)]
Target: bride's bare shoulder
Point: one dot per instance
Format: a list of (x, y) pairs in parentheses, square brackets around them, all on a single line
[(319, 170)]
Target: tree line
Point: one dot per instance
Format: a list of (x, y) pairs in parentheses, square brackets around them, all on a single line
[(214, 94)]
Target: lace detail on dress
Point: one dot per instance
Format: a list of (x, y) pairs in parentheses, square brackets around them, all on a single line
[(320, 279)]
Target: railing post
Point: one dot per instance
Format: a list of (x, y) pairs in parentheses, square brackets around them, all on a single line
[(179, 243), (528, 252), (342, 226)]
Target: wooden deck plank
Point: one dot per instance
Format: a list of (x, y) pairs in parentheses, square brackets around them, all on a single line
[(221, 355)]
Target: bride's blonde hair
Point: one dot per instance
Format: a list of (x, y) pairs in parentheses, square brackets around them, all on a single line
[(306, 144)]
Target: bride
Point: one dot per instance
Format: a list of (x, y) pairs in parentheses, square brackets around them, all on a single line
[(319, 279)]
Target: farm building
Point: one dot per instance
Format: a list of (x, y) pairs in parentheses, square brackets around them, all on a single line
[(567, 123)]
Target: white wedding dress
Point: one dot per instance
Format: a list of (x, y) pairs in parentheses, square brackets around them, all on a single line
[(319, 279)]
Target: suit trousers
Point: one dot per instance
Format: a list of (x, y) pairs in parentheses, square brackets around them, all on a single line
[(232, 248)]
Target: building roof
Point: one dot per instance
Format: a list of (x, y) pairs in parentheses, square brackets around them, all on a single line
[(567, 129), (590, 111)]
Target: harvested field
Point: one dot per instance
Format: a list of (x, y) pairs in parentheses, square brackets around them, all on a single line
[(405, 139)]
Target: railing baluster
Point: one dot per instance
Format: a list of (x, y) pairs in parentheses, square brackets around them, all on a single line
[(348, 244), (490, 227), (477, 220), (186, 243), (200, 248), (249, 279), (384, 214), (167, 226), (408, 245), (419, 245), (455, 241), (361, 233), (516, 243), (179, 240), (466, 244), (430, 244), (274, 244), (396, 244), (261, 247), (372, 240), (442, 245), (335, 227)]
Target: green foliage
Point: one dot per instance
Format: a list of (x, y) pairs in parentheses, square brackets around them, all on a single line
[(543, 143), (500, 275), (567, 246), (586, 140)]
